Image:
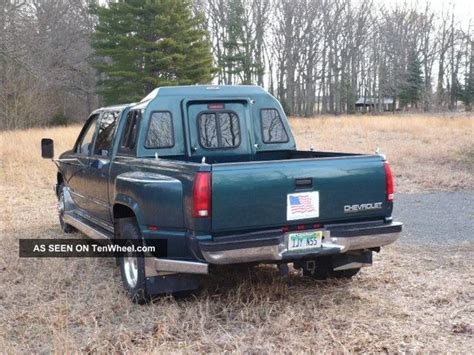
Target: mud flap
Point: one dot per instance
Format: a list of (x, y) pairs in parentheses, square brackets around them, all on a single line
[(172, 283), (352, 261)]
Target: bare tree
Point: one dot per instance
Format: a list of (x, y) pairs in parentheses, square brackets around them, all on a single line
[(45, 62)]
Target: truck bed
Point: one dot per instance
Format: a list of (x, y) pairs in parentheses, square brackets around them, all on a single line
[(266, 156), (253, 192)]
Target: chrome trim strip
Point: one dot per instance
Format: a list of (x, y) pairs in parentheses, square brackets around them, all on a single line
[(84, 228), (158, 267), (76, 194)]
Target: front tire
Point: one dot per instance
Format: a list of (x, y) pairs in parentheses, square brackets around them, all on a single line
[(132, 267), (61, 207)]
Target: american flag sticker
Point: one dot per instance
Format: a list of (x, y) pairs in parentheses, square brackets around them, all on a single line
[(302, 205)]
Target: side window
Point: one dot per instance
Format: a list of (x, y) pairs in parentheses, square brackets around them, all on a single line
[(160, 131), (130, 132), (105, 134), (84, 144), (219, 130), (273, 130)]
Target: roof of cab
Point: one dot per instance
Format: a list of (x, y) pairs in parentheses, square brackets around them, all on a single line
[(193, 91), (202, 91)]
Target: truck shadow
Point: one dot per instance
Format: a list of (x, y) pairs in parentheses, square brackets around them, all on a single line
[(262, 283)]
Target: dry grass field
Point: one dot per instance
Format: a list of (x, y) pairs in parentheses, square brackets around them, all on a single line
[(411, 300), (426, 153)]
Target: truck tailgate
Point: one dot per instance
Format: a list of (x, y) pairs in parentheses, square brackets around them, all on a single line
[(254, 195)]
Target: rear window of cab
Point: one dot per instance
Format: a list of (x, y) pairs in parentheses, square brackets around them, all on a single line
[(219, 129)]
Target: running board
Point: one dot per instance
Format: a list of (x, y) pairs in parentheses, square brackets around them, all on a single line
[(85, 228)]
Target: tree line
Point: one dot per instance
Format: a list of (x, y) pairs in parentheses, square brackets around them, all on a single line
[(60, 59), (321, 56)]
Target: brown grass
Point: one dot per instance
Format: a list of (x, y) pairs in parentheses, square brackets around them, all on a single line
[(411, 299), (426, 153)]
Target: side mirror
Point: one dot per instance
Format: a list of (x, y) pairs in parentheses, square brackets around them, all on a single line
[(47, 148)]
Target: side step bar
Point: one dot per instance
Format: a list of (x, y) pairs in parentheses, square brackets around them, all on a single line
[(153, 266), (85, 228)]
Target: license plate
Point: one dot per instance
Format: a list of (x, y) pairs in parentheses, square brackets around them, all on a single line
[(305, 240)]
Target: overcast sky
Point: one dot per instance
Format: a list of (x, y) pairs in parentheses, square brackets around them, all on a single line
[(464, 9)]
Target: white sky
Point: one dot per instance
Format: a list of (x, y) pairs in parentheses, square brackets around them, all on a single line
[(463, 9)]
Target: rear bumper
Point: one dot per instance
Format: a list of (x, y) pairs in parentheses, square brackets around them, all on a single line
[(272, 245)]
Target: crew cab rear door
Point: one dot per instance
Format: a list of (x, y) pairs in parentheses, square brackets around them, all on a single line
[(76, 169), (98, 166)]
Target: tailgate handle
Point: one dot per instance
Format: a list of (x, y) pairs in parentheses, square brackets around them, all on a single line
[(304, 183)]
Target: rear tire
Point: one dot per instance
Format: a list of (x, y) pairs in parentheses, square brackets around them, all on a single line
[(66, 228), (132, 267)]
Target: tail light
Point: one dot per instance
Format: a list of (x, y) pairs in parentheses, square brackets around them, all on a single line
[(390, 182), (202, 195)]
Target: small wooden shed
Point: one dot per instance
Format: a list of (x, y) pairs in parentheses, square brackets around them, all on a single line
[(370, 103)]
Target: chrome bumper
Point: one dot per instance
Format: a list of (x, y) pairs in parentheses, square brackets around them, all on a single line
[(337, 239)]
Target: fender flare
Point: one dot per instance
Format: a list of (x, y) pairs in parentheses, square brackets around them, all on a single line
[(151, 196)]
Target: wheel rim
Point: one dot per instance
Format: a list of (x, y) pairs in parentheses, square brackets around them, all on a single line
[(60, 207), (130, 265)]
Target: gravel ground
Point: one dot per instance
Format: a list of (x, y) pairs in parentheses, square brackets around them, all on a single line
[(445, 218)]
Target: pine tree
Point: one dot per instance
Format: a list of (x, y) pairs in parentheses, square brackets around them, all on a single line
[(239, 46), (412, 86), (144, 44)]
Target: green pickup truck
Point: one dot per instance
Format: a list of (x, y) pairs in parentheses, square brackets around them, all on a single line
[(212, 175)]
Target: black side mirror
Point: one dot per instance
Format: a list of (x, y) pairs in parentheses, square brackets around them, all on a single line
[(47, 148)]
